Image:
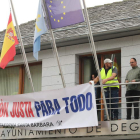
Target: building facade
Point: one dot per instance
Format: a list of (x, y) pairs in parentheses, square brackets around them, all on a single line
[(116, 30)]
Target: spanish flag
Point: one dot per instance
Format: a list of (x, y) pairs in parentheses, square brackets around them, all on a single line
[(10, 40)]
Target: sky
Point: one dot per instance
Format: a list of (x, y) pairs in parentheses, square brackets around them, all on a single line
[(26, 10)]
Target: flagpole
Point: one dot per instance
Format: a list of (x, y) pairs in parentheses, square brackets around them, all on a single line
[(95, 55), (112, 58), (22, 48), (54, 44)]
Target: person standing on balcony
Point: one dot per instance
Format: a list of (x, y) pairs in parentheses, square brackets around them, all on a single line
[(109, 76), (133, 90), (93, 76)]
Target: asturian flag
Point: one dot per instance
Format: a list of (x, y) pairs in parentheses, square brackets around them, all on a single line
[(40, 28), (64, 12), (10, 40)]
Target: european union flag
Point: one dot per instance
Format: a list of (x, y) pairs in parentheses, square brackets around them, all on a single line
[(40, 28), (64, 12)]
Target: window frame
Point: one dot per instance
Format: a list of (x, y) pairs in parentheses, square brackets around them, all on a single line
[(22, 75), (81, 64), (81, 73)]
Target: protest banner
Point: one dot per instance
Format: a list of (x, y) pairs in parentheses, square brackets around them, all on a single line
[(71, 107)]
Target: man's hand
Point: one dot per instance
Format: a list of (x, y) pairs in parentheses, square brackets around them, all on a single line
[(110, 78), (104, 81), (126, 81), (90, 82), (133, 81)]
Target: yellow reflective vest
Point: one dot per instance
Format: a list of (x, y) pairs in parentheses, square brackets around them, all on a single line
[(109, 74)]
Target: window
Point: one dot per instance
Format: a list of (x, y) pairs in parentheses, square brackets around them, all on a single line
[(13, 80), (9, 81), (36, 73), (87, 65), (87, 68)]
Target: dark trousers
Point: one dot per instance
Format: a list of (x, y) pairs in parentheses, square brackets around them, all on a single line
[(133, 100), (114, 93), (98, 96)]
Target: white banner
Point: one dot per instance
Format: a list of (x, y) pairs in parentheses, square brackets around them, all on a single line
[(72, 107)]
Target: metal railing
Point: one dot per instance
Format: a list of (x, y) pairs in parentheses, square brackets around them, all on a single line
[(122, 103)]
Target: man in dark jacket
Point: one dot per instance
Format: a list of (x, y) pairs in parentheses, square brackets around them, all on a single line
[(133, 90)]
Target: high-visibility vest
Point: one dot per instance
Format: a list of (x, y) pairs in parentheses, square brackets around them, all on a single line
[(109, 74)]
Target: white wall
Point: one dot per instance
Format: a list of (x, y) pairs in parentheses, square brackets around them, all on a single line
[(51, 78), (70, 63)]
